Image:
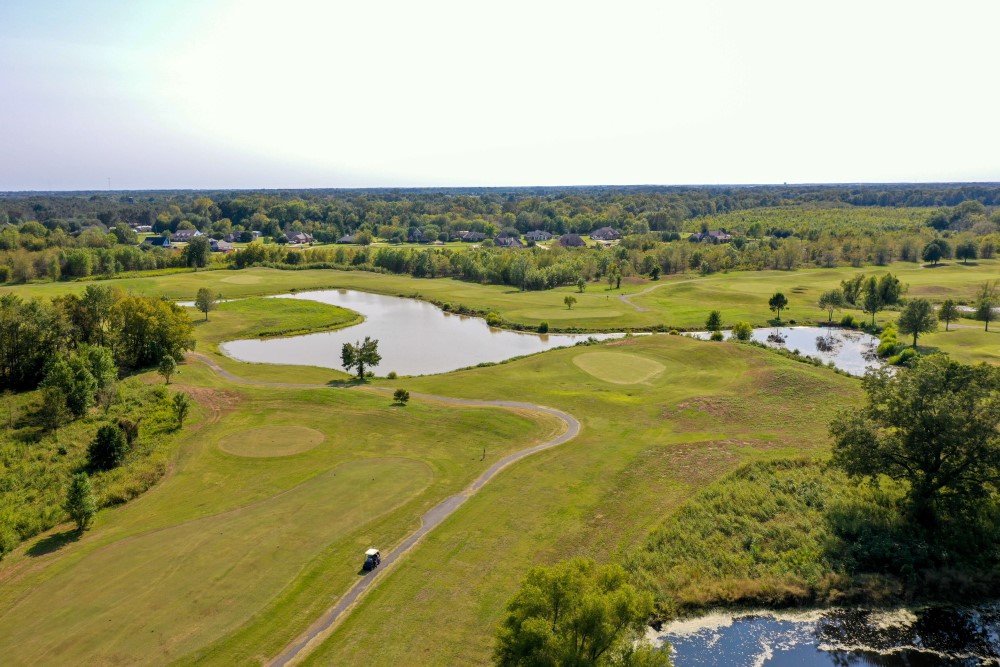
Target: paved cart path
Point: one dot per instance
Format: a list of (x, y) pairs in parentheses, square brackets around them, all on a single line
[(430, 520)]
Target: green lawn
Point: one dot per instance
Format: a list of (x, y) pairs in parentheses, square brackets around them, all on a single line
[(226, 536), (644, 450)]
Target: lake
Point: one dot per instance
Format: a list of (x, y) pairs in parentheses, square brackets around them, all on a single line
[(415, 337), (850, 351), (838, 637)]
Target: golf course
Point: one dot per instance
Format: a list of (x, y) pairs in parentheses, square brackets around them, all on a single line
[(283, 475)]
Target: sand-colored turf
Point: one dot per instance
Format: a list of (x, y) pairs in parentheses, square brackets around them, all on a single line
[(267, 441), (618, 367)]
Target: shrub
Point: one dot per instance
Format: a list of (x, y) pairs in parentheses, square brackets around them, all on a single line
[(742, 331), (391, 375), (717, 336), (400, 396), (5, 274), (847, 321), (493, 319), (108, 448)]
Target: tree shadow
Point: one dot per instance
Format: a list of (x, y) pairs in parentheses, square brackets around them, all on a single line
[(54, 542)]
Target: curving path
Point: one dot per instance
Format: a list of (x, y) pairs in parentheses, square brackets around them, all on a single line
[(627, 298), (430, 520)]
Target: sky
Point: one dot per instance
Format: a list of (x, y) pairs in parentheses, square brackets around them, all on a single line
[(159, 94)]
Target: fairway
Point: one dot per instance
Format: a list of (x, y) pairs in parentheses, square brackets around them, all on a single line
[(167, 592), (618, 367), (272, 441)]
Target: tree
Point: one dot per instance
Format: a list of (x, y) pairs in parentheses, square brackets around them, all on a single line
[(777, 303), (108, 449), (917, 318), (80, 503), (72, 375), (401, 396), (361, 355), (181, 405), (167, 368), (576, 613), (966, 250), (935, 251), (206, 301), (948, 313), (198, 252), (714, 321), (852, 288), (872, 298), (54, 412), (569, 300), (742, 331), (933, 426), (654, 273), (832, 300), (890, 289), (986, 301), (581, 285)]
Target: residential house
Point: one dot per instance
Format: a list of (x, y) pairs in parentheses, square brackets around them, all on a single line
[(157, 242), (300, 238), (714, 236), (505, 241), (184, 235), (472, 237), (220, 246), (605, 234), (572, 241), (347, 238), (538, 235)]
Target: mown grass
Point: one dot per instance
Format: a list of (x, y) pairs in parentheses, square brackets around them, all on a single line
[(680, 301), (644, 450), (247, 547)]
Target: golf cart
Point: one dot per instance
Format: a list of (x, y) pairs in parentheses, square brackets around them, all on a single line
[(372, 559)]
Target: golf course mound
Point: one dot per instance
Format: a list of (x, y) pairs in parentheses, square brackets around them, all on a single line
[(267, 441), (241, 280), (618, 367)]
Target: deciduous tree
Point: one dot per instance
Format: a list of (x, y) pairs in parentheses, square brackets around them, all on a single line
[(933, 426), (948, 313), (108, 448), (206, 301), (360, 355), (917, 318), (777, 303), (569, 300), (986, 301), (577, 613), (80, 503), (832, 300)]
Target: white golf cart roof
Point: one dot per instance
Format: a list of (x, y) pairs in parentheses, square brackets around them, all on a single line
[(372, 552)]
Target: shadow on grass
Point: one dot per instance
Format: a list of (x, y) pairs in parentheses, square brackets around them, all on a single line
[(54, 542)]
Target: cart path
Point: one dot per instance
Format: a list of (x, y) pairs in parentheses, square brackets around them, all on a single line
[(626, 298), (305, 642)]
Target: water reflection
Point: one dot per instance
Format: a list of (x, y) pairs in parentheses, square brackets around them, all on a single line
[(415, 337), (850, 351), (840, 637)]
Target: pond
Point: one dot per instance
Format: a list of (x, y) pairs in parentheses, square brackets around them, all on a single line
[(415, 337), (850, 351), (887, 638)]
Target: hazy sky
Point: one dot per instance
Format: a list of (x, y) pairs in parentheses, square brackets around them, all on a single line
[(293, 93)]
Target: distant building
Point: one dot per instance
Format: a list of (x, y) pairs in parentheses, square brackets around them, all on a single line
[(157, 242), (347, 238), (505, 241), (300, 238), (415, 236), (538, 235), (472, 237), (717, 236), (220, 246), (572, 241), (184, 235), (142, 229), (605, 234)]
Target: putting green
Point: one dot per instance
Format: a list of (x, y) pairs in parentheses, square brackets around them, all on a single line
[(271, 441), (618, 367), (155, 597)]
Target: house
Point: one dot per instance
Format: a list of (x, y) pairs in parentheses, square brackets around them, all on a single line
[(184, 235), (605, 234), (157, 242), (717, 236), (538, 235), (472, 237), (299, 237), (142, 229), (415, 236), (572, 241), (505, 241), (346, 238), (220, 246)]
